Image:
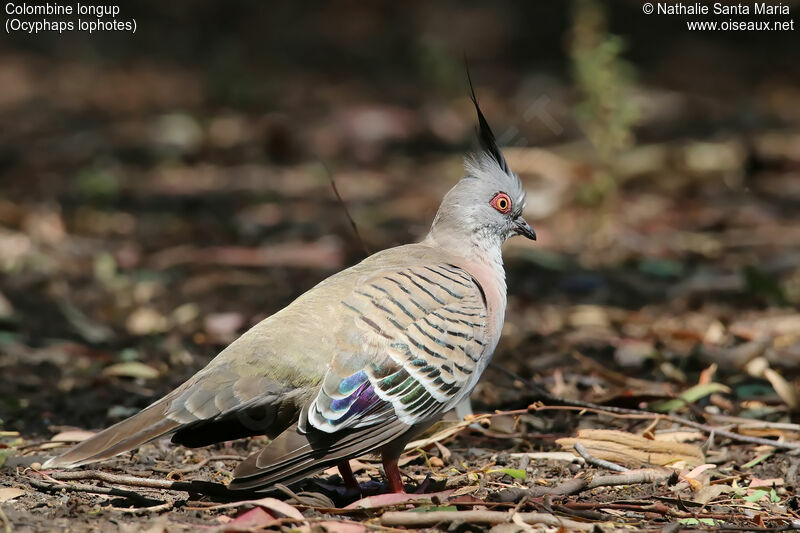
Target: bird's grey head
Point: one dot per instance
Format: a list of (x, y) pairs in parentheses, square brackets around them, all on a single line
[(485, 206)]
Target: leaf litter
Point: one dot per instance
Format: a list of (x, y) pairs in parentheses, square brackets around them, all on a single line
[(667, 315)]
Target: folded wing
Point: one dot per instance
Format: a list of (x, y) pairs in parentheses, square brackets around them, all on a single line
[(414, 352)]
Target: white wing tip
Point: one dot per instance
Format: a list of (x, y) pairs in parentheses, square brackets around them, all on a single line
[(55, 462)]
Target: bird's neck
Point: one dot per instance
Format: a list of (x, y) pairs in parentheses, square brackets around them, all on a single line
[(491, 255), (476, 249), (483, 259)]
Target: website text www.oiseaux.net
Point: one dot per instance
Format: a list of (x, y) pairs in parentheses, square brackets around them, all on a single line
[(740, 25), (754, 16)]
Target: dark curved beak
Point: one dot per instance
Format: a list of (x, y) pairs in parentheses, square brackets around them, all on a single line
[(524, 229)]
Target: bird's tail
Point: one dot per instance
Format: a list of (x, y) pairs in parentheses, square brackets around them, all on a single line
[(294, 454), (131, 433)]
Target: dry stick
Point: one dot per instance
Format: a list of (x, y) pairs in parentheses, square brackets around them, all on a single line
[(94, 489), (657, 508), (414, 519), (592, 460), (166, 506), (631, 477), (323, 519), (193, 487), (576, 485), (308, 499), (750, 529), (344, 207), (765, 424), (131, 481)]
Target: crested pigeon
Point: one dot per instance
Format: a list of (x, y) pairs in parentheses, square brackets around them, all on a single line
[(362, 362)]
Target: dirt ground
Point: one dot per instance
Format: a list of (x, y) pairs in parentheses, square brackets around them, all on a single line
[(154, 208)]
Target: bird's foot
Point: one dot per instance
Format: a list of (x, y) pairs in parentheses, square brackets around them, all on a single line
[(423, 487), (350, 482)]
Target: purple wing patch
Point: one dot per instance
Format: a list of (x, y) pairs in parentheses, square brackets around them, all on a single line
[(357, 403)]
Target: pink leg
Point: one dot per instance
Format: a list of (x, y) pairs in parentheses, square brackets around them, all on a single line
[(393, 474), (346, 472)]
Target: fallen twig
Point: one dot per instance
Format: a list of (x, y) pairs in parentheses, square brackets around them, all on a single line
[(344, 208), (751, 529), (657, 508), (93, 489), (193, 487), (415, 519), (592, 460), (308, 499), (166, 506), (576, 485), (120, 479), (631, 477)]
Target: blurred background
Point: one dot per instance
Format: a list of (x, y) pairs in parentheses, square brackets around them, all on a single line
[(161, 192)]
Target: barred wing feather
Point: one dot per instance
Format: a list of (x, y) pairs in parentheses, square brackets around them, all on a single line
[(416, 351)]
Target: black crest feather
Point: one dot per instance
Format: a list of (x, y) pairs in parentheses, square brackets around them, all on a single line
[(485, 135)]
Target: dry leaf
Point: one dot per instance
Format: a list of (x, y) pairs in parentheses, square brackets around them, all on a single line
[(709, 492), (707, 375), (569, 457), (75, 435), (6, 309), (699, 470), (681, 436), (272, 508), (131, 369), (356, 465), (444, 453), (9, 493), (784, 389), (766, 483), (254, 519), (146, 321), (756, 429), (697, 478), (383, 500), (442, 430), (469, 489), (223, 325), (632, 450), (766, 327)]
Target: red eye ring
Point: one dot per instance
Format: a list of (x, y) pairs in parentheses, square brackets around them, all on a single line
[(501, 202)]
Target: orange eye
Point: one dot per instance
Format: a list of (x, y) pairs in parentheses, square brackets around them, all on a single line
[(501, 202)]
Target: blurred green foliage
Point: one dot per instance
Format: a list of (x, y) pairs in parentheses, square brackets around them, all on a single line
[(605, 82), (96, 184), (438, 67), (760, 283)]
